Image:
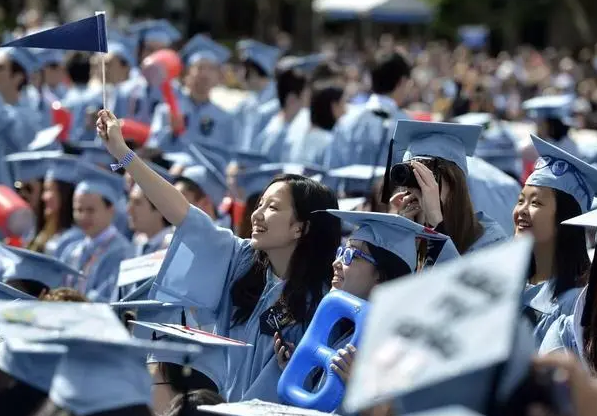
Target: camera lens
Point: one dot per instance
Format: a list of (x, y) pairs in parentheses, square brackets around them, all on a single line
[(402, 174)]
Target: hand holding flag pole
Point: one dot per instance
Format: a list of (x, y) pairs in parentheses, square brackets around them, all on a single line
[(89, 34)]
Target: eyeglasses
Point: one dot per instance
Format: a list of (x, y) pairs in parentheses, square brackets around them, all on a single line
[(559, 168), (347, 254)]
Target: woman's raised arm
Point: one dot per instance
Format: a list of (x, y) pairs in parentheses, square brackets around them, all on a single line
[(165, 197)]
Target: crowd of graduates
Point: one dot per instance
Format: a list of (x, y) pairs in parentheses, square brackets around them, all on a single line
[(330, 176)]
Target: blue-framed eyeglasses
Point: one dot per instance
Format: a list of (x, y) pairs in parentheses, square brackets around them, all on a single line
[(347, 254), (559, 168)]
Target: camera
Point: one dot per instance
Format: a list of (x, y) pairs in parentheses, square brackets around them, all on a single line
[(402, 174)]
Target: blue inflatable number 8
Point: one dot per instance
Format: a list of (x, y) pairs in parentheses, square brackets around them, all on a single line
[(313, 352)]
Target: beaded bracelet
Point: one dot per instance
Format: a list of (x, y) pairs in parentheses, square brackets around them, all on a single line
[(126, 160)]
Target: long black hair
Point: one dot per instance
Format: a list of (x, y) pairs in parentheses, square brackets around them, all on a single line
[(310, 266), (571, 260)]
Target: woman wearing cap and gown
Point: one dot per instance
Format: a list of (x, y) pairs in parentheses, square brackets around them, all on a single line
[(242, 284), (561, 187), (437, 152), (59, 229), (383, 248)]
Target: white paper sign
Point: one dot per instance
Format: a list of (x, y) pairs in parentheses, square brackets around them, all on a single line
[(431, 327), (140, 268)]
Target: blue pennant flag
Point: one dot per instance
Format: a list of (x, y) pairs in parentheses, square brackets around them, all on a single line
[(83, 35)]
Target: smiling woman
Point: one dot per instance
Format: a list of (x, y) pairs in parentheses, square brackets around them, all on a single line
[(249, 288), (561, 187)]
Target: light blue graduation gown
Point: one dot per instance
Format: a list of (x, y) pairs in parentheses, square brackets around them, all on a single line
[(206, 123), (359, 134), (498, 146), (312, 148), (19, 126), (39, 104), (566, 333), (99, 260), (493, 233), (492, 191), (201, 265), (362, 138), (248, 119), (282, 141), (158, 242), (137, 100), (56, 245), (538, 298), (75, 101)]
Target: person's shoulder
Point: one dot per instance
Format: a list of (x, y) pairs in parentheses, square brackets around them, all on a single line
[(492, 232)]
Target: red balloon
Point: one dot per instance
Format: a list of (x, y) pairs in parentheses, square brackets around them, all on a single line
[(16, 216), (135, 131), (162, 66), (62, 116)]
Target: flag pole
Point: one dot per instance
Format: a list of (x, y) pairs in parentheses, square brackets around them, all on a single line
[(103, 66)]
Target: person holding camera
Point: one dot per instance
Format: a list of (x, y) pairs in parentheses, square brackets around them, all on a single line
[(430, 187)]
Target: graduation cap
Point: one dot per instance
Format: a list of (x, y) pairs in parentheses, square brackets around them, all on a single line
[(24, 57), (30, 363), (201, 47), (425, 339), (394, 233), (94, 152), (550, 106), (209, 180), (587, 220), (124, 49), (264, 56), (158, 31), (49, 56), (216, 156), (28, 166), (22, 264), (63, 168), (163, 172), (9, 293), (248, 159), (560, 170), (46, 139), (94, 180), (449, 141), (104, 367), (254, 181)]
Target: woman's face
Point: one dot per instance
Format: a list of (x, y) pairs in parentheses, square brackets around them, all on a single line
[(274, 223), (535, 212), (359, 277), (51, 198)]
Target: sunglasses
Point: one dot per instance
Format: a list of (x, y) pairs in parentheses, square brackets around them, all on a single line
[(347, 254)]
